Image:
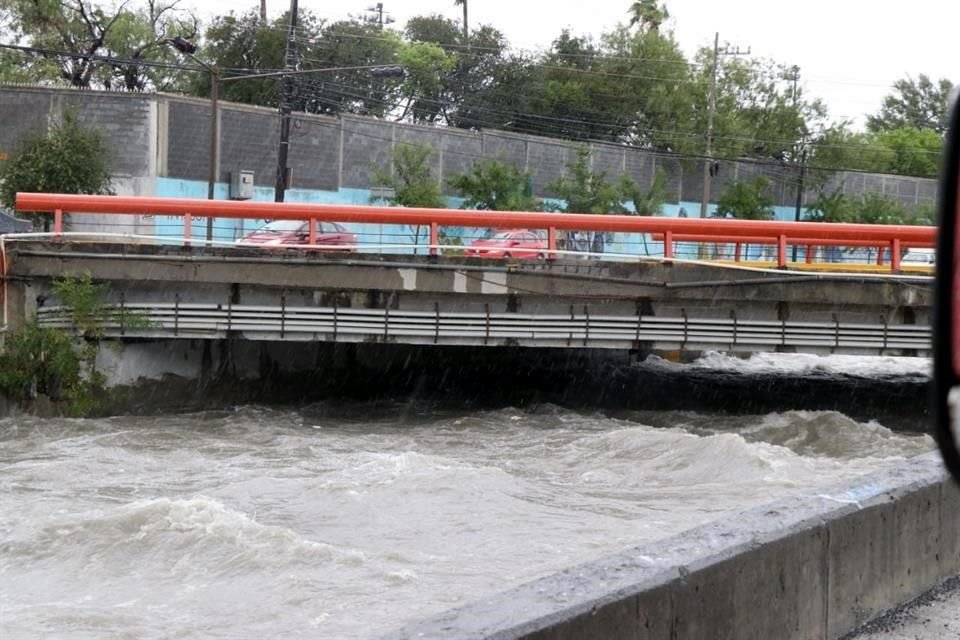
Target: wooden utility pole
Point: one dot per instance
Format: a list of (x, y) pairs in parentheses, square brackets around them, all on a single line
[(263, 11), (711, 108)]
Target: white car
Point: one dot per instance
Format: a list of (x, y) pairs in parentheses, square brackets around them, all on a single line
[(919, 257)]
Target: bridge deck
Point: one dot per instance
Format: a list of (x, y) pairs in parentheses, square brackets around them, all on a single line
[(648, 305)]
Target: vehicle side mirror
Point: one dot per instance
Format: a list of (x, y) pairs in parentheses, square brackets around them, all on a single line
[(946, 319)]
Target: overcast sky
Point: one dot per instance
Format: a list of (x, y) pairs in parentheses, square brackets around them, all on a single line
[(849, 51)]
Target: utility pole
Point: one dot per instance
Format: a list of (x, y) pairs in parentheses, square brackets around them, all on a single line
[(803, 154), (286, 88), (796, 78), (466, 27), (711, 108), (803, 174), (263, 11), (381, 17)]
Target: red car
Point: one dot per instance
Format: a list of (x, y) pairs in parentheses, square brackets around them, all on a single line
[(515, 243), (290, 232)]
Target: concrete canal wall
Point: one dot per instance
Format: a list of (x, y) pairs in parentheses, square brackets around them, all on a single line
[(816, 566)]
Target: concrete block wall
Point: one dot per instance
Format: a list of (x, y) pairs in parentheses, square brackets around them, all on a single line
[(169, 137), (127, 122), (816, 566), (22, 110)]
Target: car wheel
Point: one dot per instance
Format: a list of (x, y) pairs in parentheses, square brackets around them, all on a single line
[(507, 255), (541, 256)]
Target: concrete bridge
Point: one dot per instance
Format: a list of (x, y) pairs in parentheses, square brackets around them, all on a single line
[(815, 566), (374, 294)]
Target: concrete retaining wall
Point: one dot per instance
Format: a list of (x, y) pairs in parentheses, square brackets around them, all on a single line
[(811, 567)]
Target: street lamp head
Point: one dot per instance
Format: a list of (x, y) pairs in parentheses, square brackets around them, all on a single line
[(183, 45), (388, 72)]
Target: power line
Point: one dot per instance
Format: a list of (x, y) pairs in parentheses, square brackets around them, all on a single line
[(104, 59), (768, 165), (308, 37), (533, 124), (352, 92)]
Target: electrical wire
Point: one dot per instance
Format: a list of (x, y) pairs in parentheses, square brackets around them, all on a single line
[(442, 105), (105, 59), (351, 92), (305, 36)]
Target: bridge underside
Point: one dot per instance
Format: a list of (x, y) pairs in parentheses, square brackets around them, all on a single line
[(179, 293)]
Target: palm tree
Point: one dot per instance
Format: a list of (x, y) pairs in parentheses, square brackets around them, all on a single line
[(647, 13), (466, 31)]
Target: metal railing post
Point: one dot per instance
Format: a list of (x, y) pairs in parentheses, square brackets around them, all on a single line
[(187, 223), (782, 251), (434, 238)]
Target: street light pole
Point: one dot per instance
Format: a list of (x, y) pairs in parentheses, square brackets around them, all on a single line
[(214, 173), (187, 48)]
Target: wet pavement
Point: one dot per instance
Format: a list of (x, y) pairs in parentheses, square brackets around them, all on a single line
[(933, 616)]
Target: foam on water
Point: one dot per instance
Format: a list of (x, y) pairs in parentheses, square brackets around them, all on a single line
[(806, 364)]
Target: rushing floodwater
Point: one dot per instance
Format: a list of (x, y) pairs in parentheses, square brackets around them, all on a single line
[(348, 522)]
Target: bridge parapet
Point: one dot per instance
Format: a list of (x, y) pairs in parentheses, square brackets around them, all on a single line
[(562, 303)]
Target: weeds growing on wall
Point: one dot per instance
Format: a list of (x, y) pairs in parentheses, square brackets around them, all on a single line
[(61, 364)]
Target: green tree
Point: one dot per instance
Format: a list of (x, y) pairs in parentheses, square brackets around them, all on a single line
[(469, 92), (876, 208), (495, 186), (650, 89), (917, 103), (412, 181), (904, 151), (760, 111), (868, 208), (910, 151), (838, 147), (39, 360), (245, 42), (588, 191), (426, 65), (141, 32), (648, 202), (649, 14), (68, 158), (89, 31), (350, 43), (834, 206), (746, 200)]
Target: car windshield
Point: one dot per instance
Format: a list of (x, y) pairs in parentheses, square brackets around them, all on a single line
[(503, 235), (281, 226)]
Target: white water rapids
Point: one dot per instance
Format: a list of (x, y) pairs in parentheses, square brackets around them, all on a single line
[(349, 522)]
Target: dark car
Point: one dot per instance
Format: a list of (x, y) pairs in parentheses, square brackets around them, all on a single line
[(279, 233), (513, 243)]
